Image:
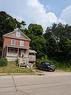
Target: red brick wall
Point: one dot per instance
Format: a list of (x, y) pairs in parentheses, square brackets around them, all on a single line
[(26, 43), (17, 42), (7, 42)]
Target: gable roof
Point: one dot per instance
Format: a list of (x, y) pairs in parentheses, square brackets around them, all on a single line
[(13, 35)]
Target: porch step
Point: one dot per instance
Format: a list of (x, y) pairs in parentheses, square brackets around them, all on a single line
[(22, 62)]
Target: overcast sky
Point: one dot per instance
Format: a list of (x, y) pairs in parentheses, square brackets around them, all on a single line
[(44, 12)]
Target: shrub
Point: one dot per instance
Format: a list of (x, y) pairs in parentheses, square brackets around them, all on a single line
[(3, 62), (42, 59), (17, 62)]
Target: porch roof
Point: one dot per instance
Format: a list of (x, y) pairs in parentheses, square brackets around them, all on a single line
[(20, 47), (32, 51)]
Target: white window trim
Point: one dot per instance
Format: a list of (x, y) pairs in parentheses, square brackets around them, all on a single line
[(17, 34), (13, 42), (21, 43)]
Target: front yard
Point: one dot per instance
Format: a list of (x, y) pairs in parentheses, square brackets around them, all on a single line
[(12, 68)]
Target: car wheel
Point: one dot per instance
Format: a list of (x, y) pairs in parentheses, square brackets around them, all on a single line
[(52, 70)]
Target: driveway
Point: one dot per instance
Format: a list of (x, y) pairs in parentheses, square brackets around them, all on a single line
[(56, 83)]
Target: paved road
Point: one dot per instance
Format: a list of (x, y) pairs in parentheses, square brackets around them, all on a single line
[(49, 84)]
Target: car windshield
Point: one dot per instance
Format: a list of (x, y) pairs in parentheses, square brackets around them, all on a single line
[(45, 63)]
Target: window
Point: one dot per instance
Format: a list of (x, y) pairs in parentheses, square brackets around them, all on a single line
[(21, 43), (13, 41), (17, 34)]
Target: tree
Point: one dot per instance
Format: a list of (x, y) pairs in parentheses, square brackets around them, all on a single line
[(7, 24), (38, 43), (58, 38), (35, 29)]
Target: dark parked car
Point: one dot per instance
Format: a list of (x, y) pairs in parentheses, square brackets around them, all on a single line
[(46, 66)]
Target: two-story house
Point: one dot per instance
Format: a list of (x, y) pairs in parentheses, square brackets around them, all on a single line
[(16, 46)]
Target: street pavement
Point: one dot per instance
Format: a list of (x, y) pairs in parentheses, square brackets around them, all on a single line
[(51, 83)]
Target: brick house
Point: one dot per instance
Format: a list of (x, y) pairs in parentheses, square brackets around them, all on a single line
[(16, 46)]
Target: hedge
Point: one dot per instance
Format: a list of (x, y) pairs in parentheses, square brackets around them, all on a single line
[(3, 61)]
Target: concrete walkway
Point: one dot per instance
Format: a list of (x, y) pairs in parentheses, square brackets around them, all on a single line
[(49, 84)]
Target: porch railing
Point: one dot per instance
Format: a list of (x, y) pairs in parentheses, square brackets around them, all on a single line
[(12, 54)]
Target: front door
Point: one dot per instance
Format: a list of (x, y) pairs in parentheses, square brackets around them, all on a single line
[(22, 53)]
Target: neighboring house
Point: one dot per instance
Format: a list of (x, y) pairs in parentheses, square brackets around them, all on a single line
[(16, 46)]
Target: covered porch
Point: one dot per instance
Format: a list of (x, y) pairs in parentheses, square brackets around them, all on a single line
[(13, 53)]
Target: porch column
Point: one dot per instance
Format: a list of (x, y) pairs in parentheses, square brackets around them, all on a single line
[(18, 52), (6, 51)]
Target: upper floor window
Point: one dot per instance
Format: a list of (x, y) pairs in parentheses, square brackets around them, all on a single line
[(13, 41), (21, 43), (17, 34)]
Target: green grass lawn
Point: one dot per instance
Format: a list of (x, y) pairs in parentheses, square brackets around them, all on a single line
[(12, 68)]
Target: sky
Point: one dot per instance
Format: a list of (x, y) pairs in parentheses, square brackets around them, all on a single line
[(56, 6), (43, 12)]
